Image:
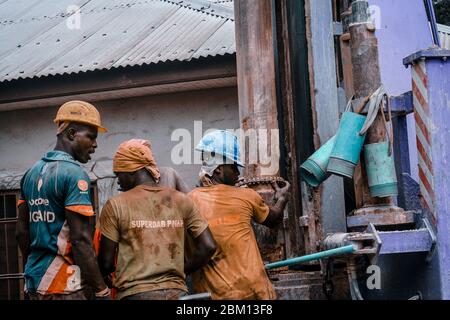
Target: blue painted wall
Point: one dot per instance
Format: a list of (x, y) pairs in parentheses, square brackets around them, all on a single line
[(439, 99)]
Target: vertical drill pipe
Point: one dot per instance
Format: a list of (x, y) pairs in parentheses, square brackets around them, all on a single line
[(366, 79), (311, 257)]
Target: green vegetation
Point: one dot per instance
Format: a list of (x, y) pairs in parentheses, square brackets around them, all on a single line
[(442, 9)]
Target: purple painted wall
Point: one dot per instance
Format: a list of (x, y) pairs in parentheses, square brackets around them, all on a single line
[(439, 99), (402, 29)]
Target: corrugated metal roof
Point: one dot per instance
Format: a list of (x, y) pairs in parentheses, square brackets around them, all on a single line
[(225, 3), (40, 38), (444, 34), (10, 179)]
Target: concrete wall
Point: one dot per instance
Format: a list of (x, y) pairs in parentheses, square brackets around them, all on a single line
[(25, 135)]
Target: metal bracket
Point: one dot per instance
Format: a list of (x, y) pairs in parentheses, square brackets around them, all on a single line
[(338, 29), (378, 243), (12, 276), (303, 221), (402, 104), (409, 241), (374, 243), (433, 240), (431, 53)]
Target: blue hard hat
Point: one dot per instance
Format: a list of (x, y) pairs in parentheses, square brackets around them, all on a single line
[(221, 142)]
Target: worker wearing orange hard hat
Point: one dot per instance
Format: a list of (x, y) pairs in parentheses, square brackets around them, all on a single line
[(54, 228)]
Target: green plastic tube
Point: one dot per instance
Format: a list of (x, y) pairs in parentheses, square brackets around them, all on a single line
[(311, 257)]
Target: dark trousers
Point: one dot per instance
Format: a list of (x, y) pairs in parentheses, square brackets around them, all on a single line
[(77, 295), (165, 294)]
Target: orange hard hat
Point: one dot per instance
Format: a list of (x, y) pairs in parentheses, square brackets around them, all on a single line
[(81, 112)]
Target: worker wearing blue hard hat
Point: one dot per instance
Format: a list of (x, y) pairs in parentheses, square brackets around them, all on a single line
[(236, 271)]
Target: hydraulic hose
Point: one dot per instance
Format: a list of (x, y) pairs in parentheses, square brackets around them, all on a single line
[(311, 257), (353, 280)]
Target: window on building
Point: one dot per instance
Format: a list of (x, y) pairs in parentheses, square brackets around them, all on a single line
[(11, 270)]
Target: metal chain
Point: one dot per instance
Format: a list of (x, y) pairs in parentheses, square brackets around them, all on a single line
[(247, 181)]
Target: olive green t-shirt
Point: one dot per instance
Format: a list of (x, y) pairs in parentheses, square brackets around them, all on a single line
[(149, 224)]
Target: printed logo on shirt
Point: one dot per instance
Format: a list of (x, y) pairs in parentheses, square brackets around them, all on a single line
[(74, 279), (38, 202), (42, 216), (83, 185), (39, 185), (228, 219), (153, 224)]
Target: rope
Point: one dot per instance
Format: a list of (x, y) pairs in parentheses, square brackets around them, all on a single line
[(377, 102), (374, 106)]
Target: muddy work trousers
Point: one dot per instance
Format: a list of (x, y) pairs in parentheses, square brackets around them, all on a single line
[(166, 294)]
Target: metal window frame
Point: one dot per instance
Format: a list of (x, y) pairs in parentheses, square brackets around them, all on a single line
[(3, 221)]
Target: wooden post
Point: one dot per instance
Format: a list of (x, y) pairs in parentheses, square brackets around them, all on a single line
[(255, 69), (366, 79), (256, 73)]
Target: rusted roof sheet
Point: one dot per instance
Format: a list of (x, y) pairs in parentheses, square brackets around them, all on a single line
[(45, 37)]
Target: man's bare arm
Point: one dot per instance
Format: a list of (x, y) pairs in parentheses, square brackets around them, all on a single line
[(23, 231), (204, 248), (181, 185), (171, 179), (276, 211), (106, 258), (83, 250)]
